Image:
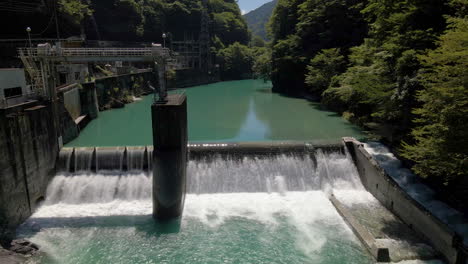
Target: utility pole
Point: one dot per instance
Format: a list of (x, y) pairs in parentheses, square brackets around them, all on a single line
[(204, 38), (56, 19)]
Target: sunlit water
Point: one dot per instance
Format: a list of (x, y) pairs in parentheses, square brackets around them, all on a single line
[(283, 215), (227, 111)]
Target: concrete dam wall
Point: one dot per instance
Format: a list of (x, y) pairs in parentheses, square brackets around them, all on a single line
[(409, 205), (140, 158), (26, 139), (28, 150)]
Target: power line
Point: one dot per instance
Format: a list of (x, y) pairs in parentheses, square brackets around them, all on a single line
[(56, 20), (21, 5), (17, 10), (47, 27)]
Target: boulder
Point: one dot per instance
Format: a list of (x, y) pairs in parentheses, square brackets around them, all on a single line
[(24, 247), (9, 257), (117, 104)]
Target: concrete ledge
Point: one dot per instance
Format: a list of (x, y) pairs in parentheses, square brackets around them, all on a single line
[(119, 158), (380, 254), (395, 199), (241, 149)]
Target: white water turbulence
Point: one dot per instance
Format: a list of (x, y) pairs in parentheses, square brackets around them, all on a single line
[(417, 190), (253, 210)]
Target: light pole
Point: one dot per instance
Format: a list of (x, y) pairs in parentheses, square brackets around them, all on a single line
[(164, 39), (28, 29)]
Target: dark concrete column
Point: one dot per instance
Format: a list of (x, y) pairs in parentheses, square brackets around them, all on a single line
[(169, 157)]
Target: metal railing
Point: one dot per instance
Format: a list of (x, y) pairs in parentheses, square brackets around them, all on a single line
[(18, 99), (95, 52)]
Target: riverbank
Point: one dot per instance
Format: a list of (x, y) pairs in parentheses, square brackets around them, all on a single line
[(385, 133)]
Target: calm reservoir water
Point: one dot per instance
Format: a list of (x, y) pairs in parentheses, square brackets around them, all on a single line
[(224, 112)]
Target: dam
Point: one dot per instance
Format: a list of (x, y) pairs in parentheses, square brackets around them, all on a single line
[(242, 208), (316, 199)]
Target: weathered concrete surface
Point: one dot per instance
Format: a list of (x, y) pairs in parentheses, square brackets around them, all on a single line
[(28, 150), (395, 199), (242, 149), (380, 253), (386, 229), (170, 137), (121, 157), (192, 77), (68, 128), (89, 102)]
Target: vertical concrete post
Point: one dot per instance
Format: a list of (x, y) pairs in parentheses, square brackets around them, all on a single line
[(169, 156)]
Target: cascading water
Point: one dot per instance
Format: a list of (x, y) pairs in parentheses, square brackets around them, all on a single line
[(83, 160), (106, 159), (250, 210), (135, 159)]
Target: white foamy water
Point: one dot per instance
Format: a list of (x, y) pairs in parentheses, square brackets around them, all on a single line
[(419, 192), (306, 219), (246, 211), (98, 188)]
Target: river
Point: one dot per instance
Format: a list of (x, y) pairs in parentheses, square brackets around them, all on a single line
[(224, 112)]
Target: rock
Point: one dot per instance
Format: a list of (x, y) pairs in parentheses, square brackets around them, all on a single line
[(9, 257), (24, 247), (117, 104)]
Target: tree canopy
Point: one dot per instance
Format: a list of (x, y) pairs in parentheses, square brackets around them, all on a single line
[(397, 66)]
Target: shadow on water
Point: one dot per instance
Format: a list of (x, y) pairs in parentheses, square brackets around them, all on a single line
[(143, 223), (298, 118), (264, 90)]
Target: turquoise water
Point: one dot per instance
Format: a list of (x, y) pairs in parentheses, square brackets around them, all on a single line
[(224, 112), (106, 218), (216, 228), (273, 210)]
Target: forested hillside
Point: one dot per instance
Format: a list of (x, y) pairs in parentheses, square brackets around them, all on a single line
[(257, 20), (127, 20), (131, 21), (398, 67)]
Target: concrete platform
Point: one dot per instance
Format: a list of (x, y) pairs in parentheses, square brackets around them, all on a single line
[(386, 231)]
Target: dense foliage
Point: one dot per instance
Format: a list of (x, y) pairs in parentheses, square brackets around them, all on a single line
[(139, 21), (236, 62), (441, 134), (257, 19), (397, 66), (301, 29), (145, 20)]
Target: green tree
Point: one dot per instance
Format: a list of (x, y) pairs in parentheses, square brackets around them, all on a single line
[(227, 22), (382, 74), (441, 136), (236, 62), (257, 42), (262, 64), (302, 28), (74, 11), (322, 68)]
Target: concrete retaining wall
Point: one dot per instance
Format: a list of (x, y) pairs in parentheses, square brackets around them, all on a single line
[(28, 150), (192, 77), (115, 87), (89, 102), (72, 102), (394, 198)]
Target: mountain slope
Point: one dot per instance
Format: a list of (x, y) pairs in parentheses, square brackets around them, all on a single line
[(258, 19)]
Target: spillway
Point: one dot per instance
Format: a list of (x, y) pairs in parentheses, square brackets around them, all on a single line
[(255, 209)]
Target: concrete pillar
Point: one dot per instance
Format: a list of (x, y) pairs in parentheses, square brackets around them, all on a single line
[(169, 157)]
